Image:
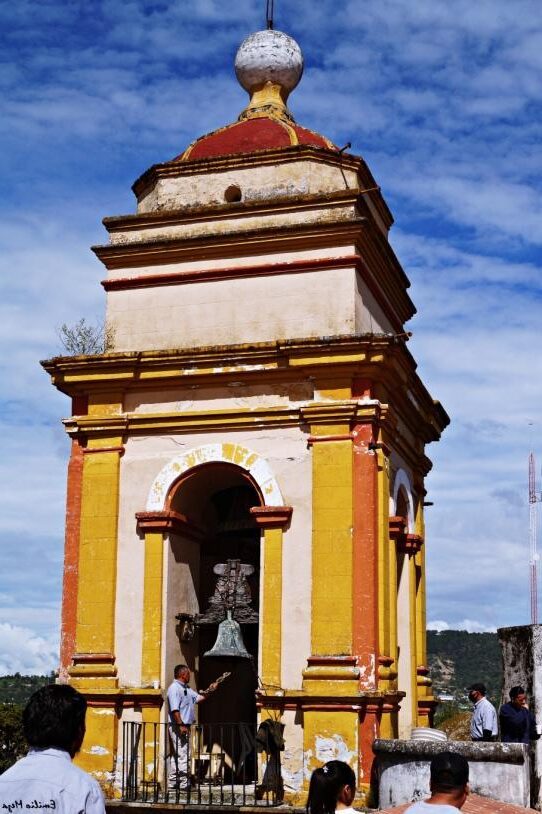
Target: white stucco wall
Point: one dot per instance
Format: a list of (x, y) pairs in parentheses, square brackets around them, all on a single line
[(235, 311)]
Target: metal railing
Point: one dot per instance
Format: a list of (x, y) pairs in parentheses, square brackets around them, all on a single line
[(202, 764)]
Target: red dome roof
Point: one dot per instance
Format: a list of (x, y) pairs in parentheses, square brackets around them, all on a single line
[(252, 135)]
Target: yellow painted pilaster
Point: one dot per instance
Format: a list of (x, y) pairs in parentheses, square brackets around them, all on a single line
[(151, 743), (421, 637), (272, 608), (332, 543), (98, 549), (413, 666), (151, 656), (423, 681), (93, 671)]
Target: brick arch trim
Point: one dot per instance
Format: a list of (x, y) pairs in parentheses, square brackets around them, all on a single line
[(256, 466)]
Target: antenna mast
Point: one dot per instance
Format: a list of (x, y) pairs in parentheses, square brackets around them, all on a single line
[(533, 534), (269, 14)]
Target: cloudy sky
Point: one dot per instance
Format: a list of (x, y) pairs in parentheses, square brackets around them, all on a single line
[(443, 100)]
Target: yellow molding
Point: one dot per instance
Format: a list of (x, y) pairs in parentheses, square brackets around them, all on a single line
[(377, 357)]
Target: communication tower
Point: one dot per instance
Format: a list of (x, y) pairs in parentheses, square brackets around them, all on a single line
[(533, 535)]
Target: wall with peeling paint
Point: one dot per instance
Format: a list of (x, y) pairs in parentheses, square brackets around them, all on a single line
[(266, 182)]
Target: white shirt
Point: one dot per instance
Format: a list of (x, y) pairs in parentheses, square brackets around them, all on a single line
[(483, 717), (421, 807), (46, 780), (183, 698)]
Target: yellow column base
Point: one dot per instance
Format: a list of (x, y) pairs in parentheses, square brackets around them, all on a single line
[(98, 754), (329, 735)]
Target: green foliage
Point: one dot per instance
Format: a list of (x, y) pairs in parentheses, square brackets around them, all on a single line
[(83, 339), (458, 659), (17, 689), (456, 724), (12, 742)]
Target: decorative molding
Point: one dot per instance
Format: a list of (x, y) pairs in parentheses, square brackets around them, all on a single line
[(230, 273), (412, 544), (217, 245), (92, 665), (318, 439), (168, 522), (406, 543), (93, 658), (379, 358), (272, 517), (326, 661), (248, 460), (374, 703), (96, 450), (240, 209), (397, 527)]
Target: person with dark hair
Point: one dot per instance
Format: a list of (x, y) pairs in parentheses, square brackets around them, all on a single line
[(54, 726), (483, 725), (182, 700), (332, 788), (449, 784), (518, 724)]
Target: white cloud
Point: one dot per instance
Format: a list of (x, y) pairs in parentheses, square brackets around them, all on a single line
[(441, 100), (21, 651)]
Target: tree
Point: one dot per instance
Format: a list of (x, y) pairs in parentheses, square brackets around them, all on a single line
[(12, 741), (84, 339)]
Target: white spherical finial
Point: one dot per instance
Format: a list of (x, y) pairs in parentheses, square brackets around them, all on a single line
[(269, 56)]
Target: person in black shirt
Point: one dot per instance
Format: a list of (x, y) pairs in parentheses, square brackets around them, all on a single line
[(517, 722)]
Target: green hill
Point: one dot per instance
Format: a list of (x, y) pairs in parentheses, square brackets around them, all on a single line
[(17, 689), (458, 659)]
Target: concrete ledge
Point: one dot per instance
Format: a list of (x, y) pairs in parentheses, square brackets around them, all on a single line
[(500, 771)]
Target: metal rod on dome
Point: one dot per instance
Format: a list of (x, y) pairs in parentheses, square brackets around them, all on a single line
[(269, 15)]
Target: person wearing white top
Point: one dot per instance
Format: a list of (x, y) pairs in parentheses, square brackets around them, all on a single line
[(483, 725), (54, 726), (332, 788), (449, 784), (182, 701)]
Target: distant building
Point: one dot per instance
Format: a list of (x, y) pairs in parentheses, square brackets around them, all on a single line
[(259, 403)]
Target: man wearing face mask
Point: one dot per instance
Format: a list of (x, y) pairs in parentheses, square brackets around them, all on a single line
[(483, 725), (518, 724)]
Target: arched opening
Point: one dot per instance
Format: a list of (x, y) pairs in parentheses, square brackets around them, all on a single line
[(404, 646), (214, 501)]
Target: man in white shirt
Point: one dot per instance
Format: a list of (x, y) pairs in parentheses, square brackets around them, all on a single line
[(449, 786), (54, 726), (182, 700), (483, 725)]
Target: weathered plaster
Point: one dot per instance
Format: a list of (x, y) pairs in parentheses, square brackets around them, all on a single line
[(266, 182), (238, 222), (315, 303), (499, 771)]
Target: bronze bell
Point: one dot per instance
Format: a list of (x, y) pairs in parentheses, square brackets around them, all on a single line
[(229, 641)]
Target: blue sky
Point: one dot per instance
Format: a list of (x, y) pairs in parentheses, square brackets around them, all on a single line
[(443, 100)]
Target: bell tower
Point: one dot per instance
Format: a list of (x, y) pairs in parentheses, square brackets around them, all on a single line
[(259, 404)]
